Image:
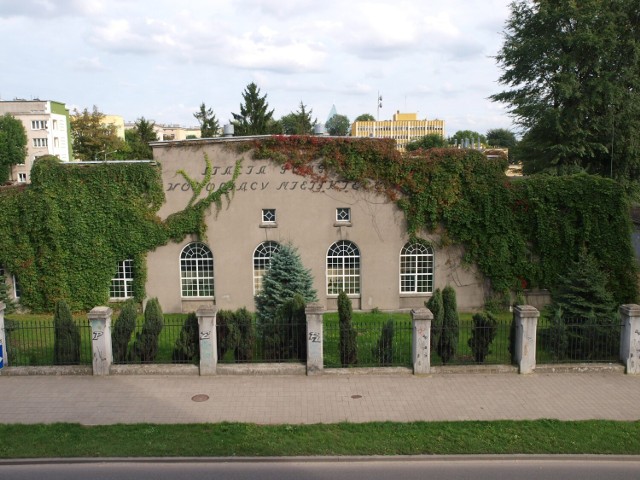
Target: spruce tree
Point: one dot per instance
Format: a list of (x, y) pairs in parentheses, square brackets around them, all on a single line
[(123, 328), (448, 341), (254, 117), (187, 347), (348, 346), (209, 125), (66, 342)]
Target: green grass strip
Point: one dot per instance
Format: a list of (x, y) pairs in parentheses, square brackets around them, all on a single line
[(241, 439)]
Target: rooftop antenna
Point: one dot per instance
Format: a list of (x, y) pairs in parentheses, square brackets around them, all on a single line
[(379, 104)]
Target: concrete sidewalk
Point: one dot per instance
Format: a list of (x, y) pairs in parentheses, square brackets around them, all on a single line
[(297, 399)]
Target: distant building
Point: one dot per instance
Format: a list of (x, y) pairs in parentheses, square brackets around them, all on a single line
[(403, 128), (48, 132), (170, 132), (117, 121)]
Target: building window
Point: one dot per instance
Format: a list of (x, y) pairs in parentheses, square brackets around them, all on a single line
[(122, 283), (22, 177), (38, 124), (261, 263), (40, 142), (416, 268), (343, 214), (268, 215), (343, 268), (196, 270)]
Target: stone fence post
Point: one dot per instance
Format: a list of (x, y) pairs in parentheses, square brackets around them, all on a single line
[(315, 359), (208, 340), (100, 321), (526, 318), (3, 339), (630, 338), (421, 340)]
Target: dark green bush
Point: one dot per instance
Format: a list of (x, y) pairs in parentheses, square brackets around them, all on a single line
[(145, 347), (348, 344), (383, 351), (483, 332), (123, 328), (448, 341), (66, 343), (435, 306), (241, 335), (187, 347)]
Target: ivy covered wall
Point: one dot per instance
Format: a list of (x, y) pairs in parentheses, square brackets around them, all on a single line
[(64, 234)]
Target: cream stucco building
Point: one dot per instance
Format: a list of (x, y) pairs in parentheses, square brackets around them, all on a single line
[(349, 238), (403, 128)]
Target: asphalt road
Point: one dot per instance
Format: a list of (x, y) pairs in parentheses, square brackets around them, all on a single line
[(423, 468)]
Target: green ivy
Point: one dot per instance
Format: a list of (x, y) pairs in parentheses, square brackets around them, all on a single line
[(64, 234)]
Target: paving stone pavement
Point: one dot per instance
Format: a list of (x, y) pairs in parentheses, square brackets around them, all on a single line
[(297, 399)]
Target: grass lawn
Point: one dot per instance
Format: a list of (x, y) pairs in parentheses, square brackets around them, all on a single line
[(235, 439)]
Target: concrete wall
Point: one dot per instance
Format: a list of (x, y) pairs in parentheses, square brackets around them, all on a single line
[(306, 217)]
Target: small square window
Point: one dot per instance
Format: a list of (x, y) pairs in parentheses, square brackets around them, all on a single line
[(343, 214), (22, 177), (268, 215)]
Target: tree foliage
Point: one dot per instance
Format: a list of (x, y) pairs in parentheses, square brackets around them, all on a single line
[(138, 139), (254, 117), (298, 122), (13, 145), (448, 342), (145, 346), (483, 332), (437, 309), (382, 352), (573, 77), (433, 140), (461, 135), (209, 125), (348, 345), (187, 346), (365, 117), (338, 125), (66, 340), (501, 137), (123, 328), (92, 138)]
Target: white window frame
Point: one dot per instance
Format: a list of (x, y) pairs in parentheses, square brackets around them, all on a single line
[(121, 287), (22, 177), (269, 216), (416, 268), (40, 142), (262, 262), (343, 214), (343, 269), (196, 271)]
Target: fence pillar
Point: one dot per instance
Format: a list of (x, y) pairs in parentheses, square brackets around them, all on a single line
[(4, 357), (315, 359), (421, 340), (630, 338), (208, 340), (526, 318), (100, 321)]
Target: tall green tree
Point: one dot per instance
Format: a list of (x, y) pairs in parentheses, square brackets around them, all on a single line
[(66, 340), (298, 122), (501, 137), (365, 117), (139, 137), (254, 116), (348, 344), (433, 140), (92, 138), (13, 145), (448, 341), (338, 125), (572, 73), (209, 125)]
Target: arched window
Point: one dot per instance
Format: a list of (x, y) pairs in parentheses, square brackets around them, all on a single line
[(416, 268), (196, 270), (261, 262), (343, 268)]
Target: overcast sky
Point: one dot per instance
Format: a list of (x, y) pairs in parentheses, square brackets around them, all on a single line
[(160, 59)]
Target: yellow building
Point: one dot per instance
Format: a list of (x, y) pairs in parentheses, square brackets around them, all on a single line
[(403, 128), (117, 121)]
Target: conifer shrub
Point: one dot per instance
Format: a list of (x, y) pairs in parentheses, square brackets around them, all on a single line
[(483, 332), (448, 341), (123, 328), (145, 347), (241, 336), (285, 338), (187, 347), (66, 343), (435, 306), (348, 344), (383, 350)]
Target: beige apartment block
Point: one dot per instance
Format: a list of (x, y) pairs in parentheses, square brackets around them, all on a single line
[(403, 128), (350, 239)]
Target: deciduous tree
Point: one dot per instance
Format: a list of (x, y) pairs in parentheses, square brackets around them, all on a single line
[(92, 138), (433, 140), (365, 117), (13, 145), (299, 122), (338, 125)]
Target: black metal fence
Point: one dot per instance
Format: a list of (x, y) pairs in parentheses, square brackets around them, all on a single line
[(33, 343), (473, 345), (580, 340)]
